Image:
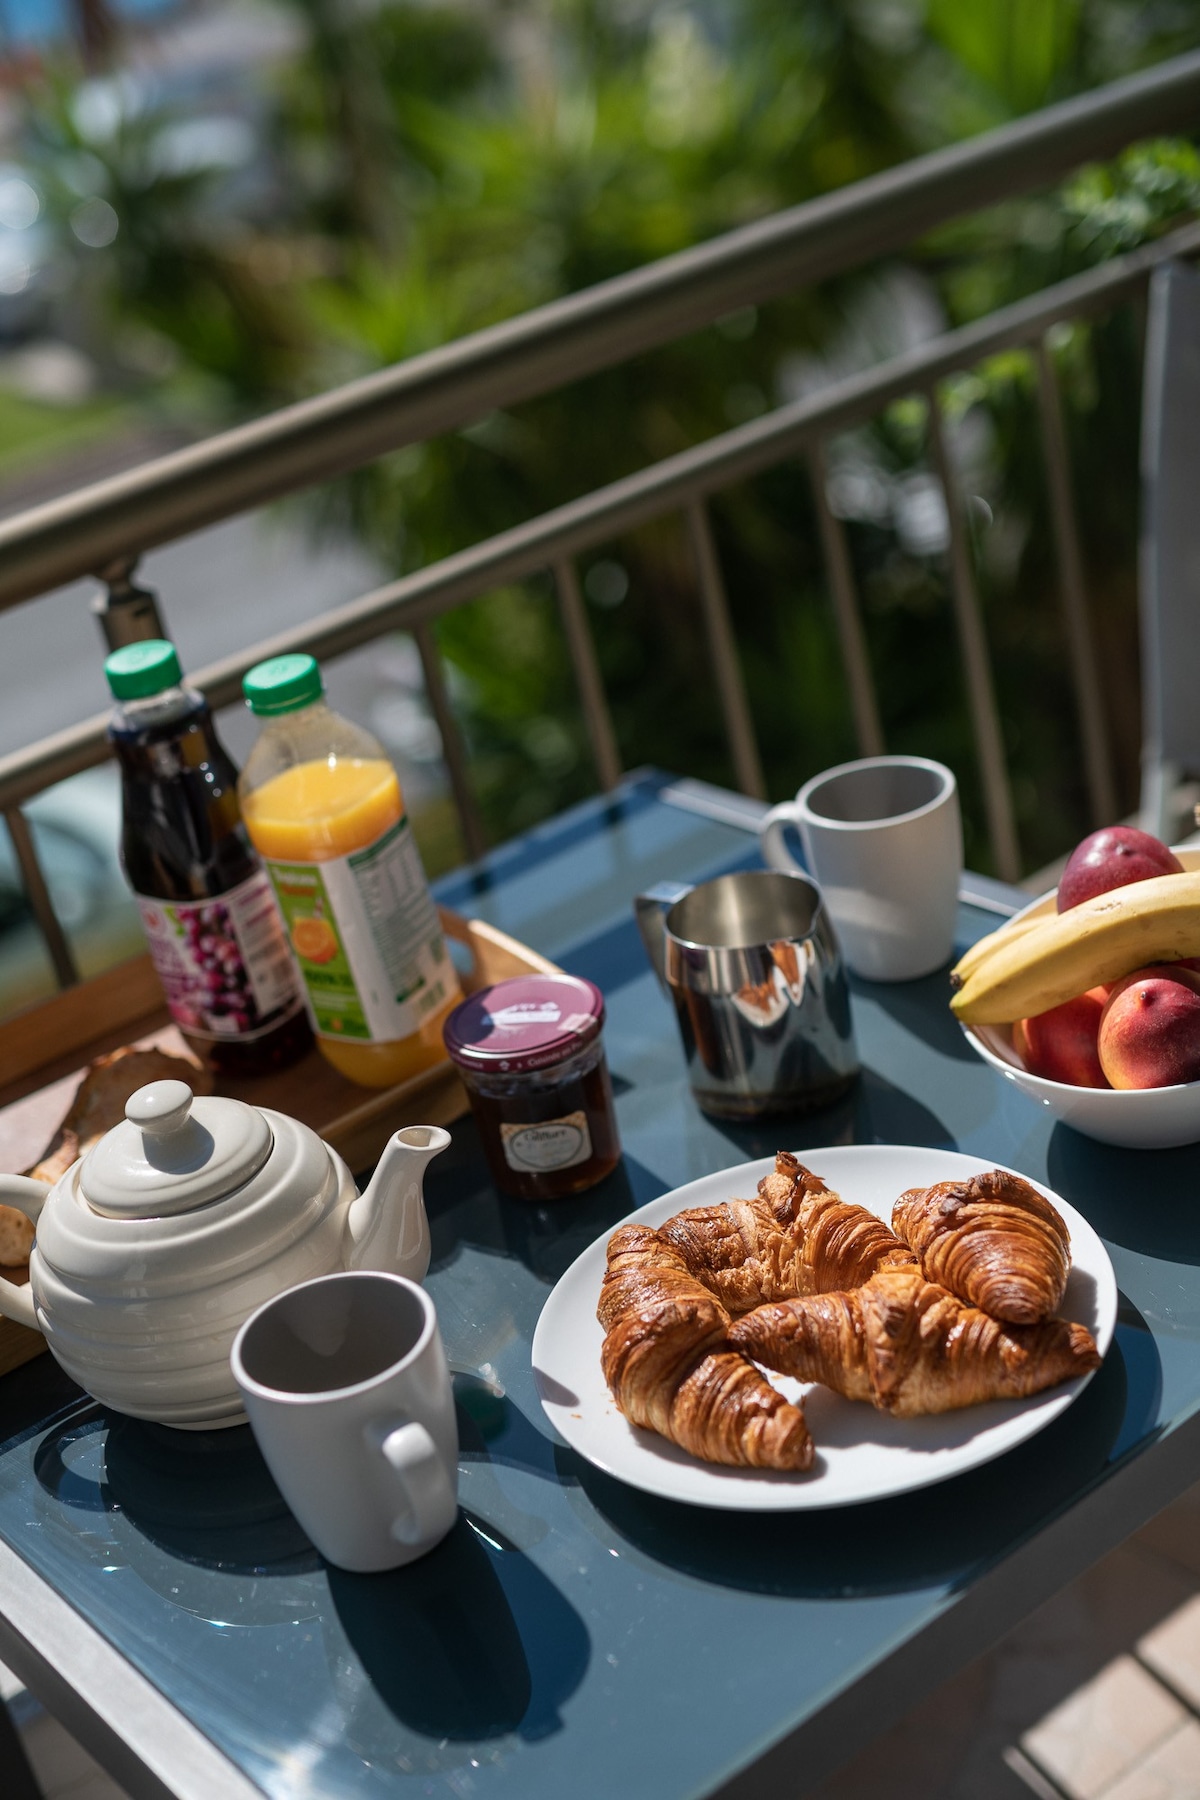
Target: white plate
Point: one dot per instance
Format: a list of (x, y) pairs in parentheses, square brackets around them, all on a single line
[(861, 1454)]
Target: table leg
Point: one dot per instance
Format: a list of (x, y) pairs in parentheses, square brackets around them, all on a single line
[(20, 1782)]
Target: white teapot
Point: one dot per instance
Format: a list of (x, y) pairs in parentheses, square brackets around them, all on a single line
[(153, 1248)]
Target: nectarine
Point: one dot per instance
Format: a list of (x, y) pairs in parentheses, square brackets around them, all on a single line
[(1112, 858), (1061, 1044), (1150, 1030)]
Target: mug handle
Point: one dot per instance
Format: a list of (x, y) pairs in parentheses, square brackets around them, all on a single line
[(773, 841), (425, 1488)]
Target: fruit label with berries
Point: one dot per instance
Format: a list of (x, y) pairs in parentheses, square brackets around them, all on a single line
[(366, 935), (224, 963)]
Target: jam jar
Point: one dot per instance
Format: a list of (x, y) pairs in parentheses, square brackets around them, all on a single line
[(531, 1057)]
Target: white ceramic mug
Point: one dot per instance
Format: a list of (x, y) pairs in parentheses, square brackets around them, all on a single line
[(883, 837), (347, 1389)]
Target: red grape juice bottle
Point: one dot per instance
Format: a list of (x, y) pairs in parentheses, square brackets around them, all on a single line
[(216, 936)]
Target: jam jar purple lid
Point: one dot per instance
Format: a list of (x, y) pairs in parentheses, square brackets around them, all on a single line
[(530, 1022), (531, 1056)]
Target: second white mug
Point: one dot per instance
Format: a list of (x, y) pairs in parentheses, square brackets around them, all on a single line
[(347, 1389), (883, 838)]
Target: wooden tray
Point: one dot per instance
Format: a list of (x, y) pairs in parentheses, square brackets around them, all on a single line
[(44, 1050)]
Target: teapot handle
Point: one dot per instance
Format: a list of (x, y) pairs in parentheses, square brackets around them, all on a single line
[(29, 1197)]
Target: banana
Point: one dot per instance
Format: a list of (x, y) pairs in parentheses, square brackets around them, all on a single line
[(979, 952), (1030, 971)]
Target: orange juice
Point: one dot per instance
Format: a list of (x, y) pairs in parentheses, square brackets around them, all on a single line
[(324, 809)]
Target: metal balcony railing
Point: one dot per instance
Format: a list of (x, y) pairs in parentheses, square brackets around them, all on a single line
[(103, 529)]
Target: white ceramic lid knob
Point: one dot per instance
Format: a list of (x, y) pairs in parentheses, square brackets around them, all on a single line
[(160, 1108), (173, 1152)]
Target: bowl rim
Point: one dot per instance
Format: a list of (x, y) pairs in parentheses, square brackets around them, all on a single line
[(1189, 856)]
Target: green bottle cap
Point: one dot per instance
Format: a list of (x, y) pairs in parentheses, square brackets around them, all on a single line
[(137, 670), (282, 684)]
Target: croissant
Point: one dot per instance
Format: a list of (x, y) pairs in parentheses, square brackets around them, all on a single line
[(992, 1240), (669, 1367), (909, 1347), (796, 1237)]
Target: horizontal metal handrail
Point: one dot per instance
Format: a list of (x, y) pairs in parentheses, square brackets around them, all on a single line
[(561, 342), (747, 450)]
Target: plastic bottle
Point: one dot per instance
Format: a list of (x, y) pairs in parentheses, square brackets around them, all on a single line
[(323, 806), (213, 926)]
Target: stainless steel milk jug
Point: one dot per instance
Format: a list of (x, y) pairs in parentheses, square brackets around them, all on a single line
[(752, 965)]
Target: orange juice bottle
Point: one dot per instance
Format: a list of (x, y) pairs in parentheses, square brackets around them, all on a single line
[(324, 810)]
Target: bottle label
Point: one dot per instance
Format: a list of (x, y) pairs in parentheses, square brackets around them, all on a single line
[(366, 936), (224, 963), (550, 1144)]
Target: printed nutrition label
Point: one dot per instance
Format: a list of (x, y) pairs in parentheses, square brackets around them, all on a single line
[(398, 905), (366, 935)]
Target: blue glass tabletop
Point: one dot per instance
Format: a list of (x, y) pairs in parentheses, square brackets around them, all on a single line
[(573, 1635)]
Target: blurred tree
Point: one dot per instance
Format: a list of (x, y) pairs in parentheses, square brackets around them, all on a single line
[(437, 168)]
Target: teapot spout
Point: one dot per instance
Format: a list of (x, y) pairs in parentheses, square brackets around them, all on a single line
[(387, 1227)]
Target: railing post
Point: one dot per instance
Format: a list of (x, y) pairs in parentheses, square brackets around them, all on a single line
[(722, 650), (855, 661), (128, 614), (1084, 669), (582, 650), (453, 749), (981, 695), (38, 894)]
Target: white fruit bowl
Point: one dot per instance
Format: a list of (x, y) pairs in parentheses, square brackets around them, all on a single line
[(1137, 1118)]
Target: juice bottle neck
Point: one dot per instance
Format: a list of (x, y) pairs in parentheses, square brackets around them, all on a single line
[(312, 733)]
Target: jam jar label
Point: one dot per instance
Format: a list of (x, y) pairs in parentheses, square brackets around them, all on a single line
[(550, 1144)]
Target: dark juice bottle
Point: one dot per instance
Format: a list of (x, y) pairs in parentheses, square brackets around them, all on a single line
[(211, 919)]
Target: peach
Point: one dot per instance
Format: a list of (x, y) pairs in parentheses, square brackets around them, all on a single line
[(1061, 1044), (1112, 858), (1150, 1030), (1186, 973)]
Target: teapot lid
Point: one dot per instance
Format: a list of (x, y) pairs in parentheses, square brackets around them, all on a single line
[(173, 1152)]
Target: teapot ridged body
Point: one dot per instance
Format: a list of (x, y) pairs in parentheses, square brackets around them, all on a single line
[(173, 1291), (153, 1249)]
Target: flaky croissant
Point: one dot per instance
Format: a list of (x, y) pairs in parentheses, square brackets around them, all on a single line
[(796, 1237), (909, 1347), (993, 1240), (669, 1366)]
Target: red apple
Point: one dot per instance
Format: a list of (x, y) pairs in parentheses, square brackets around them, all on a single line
[(1112, 858), (1061, 1044), (1150, 1030)]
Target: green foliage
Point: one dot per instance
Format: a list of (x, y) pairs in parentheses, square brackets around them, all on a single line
[(440, 169), (32, 432)]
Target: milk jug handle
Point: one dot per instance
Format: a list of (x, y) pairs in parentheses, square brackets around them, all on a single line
[(651, 909)]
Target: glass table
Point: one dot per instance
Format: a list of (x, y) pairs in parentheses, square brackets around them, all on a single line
[(573, 1635)]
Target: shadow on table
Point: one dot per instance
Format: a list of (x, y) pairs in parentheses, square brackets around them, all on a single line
[(464, 1206), (922, 1008), (468, 1643), (1143, 1200), (875, 1111), (942, 1536), (471, 1642)]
